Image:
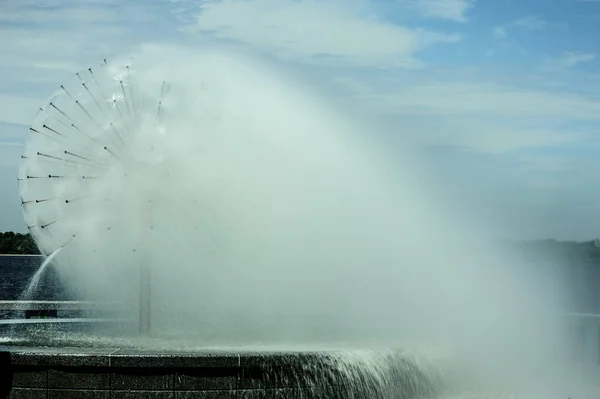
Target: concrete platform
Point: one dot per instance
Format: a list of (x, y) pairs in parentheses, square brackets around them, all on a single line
[(27, 372)]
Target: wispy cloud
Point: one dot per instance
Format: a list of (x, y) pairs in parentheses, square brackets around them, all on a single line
[(455, 10), (18, 110), (417, 64), (499, 32), (317, 32), (9, 159), (569, 60), (529, 24), (10, 144), (42, 42), (481, 116), (553, 164), (493, 140), (474, 98)]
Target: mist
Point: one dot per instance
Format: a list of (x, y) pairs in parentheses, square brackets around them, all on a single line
[(269, 216)]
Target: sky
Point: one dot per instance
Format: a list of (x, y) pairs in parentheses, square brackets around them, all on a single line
[(504, 96)]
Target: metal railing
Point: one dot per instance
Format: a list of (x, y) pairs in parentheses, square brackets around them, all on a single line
[(38, 312), (586, 326)]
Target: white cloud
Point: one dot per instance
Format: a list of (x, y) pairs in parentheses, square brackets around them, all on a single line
[(491, 139), (43, 45), (467, 98), (10, 156), (316, 31), (529, 23), (497, 141), (10, 144), (499, 32), (483, 117), (554, 163), (455, 10), (84, 13), (569, 60), (43, 42), (18, 110)]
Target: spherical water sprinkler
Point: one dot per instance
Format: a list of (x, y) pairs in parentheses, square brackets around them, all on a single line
[(93, 128)]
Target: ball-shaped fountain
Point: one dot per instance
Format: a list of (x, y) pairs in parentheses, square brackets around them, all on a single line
[(131, 174)]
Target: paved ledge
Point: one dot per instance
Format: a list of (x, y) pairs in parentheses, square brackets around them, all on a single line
[(115, 357), (28, 372)]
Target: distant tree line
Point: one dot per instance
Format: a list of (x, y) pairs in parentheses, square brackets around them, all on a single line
[(17, 244), (566, 252), (569, 252)]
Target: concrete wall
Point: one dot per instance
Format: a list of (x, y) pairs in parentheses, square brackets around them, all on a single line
[(103, 374)]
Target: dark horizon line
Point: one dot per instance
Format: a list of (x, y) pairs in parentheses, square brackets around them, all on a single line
[(514, 241)]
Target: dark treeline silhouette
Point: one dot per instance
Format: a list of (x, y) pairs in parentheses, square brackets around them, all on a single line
[(562, 251), (565, 252), (17, 244)]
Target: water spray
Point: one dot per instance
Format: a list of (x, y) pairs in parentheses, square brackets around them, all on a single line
[(97, 113), (250, 212)]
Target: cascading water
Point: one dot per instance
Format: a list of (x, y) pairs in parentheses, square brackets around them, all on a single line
[(265, 218), (34, 281)]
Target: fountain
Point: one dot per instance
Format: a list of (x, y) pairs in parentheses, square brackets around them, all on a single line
[(258, 242)]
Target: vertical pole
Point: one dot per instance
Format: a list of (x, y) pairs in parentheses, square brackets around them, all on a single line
[(145, 294), (592, 343), (144, 297), (145, 289)]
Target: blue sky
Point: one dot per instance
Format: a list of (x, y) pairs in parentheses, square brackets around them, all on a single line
[(505, 95)]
